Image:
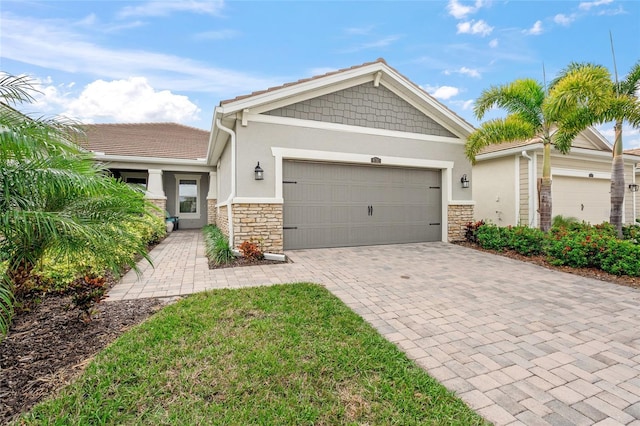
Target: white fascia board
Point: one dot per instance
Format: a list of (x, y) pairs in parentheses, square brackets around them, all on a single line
[(323, 125), (462, 203), (145, 163), (257, 200), (580, 173), (298, 88), (510, 151), (348, 157)]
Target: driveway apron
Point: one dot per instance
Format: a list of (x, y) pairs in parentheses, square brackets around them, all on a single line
[(519, 343)]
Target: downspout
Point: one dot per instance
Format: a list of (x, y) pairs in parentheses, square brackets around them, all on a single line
[(635, 170), (232, 194), (530, 190)]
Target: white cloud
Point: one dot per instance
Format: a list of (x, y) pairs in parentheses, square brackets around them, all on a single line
[(493, 43), (442, 92), (587, 5), (164, 8), (359, 30), (463, 105), (38, 43), (536, 29), (126, 101), (564, 20), (473, 27), (470, 72), (460, 11)]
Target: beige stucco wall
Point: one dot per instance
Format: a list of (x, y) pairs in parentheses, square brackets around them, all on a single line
[(494, 190), (256, 140)]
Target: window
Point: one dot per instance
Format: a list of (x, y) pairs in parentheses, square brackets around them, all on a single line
[(188, 200), (135, 179)]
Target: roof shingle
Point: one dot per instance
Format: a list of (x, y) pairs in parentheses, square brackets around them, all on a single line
[(156, 140)]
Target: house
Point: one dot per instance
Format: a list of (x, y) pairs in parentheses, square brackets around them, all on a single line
[(506, 176), (635, 183), (359, 156), (168, 159)]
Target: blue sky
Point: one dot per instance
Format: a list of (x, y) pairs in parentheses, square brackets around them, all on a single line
[(139, 61)]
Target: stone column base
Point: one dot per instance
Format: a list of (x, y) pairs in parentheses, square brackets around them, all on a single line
[(261, 223), (458, 215), (161, 203), (211, 211)]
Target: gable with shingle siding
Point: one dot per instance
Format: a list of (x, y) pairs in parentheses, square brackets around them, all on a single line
[(365, 106)]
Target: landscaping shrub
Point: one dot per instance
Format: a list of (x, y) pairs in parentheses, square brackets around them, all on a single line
[(217, 245), (621, 258), (631, 233), (251, 250), (87, 291), (492, 237), (560, 221), (526, 241), (471, 230), (578, 249)]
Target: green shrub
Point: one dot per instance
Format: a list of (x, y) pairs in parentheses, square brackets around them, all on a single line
[(560, 221), (526, 241), (578, 249), (621, 258), (492, 237), (631, 233), (217, 246)]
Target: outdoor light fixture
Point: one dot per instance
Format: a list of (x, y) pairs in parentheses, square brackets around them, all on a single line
[(464, 181), (259, 172), (633, 187)]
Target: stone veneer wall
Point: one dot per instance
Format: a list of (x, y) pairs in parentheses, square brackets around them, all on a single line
[(458, 215), (222, 221), (259, 222), (211, 212), (162, 206)]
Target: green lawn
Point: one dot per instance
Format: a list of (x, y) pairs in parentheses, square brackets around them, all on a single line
[(287, 354)]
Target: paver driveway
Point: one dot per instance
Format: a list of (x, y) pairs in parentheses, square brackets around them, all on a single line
[(519, 343)]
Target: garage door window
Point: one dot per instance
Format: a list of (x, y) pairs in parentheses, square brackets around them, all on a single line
[(188, 197)]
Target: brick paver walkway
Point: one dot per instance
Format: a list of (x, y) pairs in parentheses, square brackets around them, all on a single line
[(519, 343)]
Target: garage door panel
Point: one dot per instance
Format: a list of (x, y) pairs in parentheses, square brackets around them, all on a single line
[(587, 199), (329, 205)]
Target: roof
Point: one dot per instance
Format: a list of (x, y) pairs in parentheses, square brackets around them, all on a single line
[(635, 151), (597, 141), (378, 72), (155, 140)]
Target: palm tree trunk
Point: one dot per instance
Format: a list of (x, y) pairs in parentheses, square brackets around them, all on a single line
[(617, 181), (544, 190)]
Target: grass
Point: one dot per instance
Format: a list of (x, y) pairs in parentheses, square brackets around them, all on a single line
[(287, 354)]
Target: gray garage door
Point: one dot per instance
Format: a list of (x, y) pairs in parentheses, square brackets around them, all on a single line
[(336, 205)]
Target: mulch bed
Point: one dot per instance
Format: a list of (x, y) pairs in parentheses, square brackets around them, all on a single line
[(49, 346), (242, 261)]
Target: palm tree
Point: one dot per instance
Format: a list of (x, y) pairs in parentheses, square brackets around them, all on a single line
[(527, 118), (54, 198), (588, 88)]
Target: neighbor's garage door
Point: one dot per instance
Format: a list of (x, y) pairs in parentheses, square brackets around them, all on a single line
[(587, 199), (336, 205)]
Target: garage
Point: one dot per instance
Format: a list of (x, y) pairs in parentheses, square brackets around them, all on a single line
[(588, 199), (341, 205)]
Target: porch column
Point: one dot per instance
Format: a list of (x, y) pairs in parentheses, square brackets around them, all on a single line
[(212, 198), (155, 191)]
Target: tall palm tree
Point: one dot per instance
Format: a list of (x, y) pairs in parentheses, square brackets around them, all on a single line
[(54, 198), (589, 88), (527, 118)]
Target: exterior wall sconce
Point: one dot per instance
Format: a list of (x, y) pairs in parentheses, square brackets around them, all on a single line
[(464, 181), (633, 187), (259, 173)]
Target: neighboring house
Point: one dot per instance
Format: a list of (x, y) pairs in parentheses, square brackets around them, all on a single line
[(506, 176), (168, 159), (635, 183), (359, 156)]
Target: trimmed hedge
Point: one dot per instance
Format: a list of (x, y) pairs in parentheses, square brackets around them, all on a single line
[(577, 245)]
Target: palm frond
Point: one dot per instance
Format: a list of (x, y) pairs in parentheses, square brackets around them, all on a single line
[(582, 86), (497, 131), (16, 89), (524, 97)]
